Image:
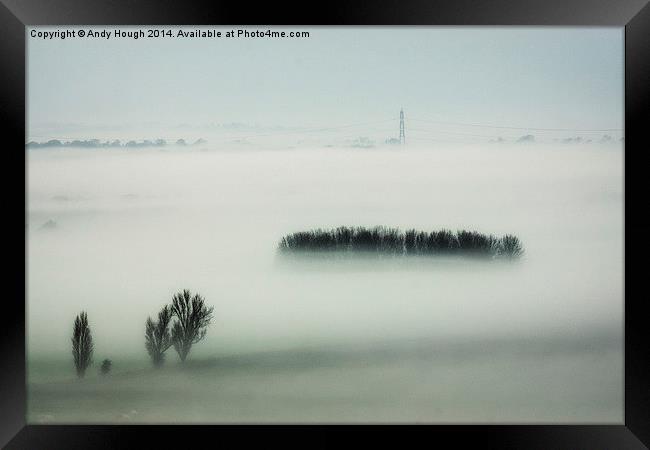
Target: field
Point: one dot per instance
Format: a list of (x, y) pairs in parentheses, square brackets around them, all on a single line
[(559, 381)]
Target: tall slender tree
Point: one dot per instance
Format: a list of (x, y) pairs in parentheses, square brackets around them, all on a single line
[(157, 336), (82, 344), (192, 319)]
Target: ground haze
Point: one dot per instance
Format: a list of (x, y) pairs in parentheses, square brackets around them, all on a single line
[(117, 232)]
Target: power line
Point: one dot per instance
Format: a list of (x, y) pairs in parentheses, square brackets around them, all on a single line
[(577, 130), (453, 133)]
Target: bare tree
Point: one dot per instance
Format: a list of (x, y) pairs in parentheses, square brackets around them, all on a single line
[(82, 344), (509, 247), (193, 317), (106, 366), (157, 336)]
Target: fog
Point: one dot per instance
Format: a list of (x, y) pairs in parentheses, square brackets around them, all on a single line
[(117, 232)]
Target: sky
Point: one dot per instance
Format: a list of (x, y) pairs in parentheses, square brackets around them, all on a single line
[(540, 77)]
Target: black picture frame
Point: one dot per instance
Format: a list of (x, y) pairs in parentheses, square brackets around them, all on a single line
[(15, 15)]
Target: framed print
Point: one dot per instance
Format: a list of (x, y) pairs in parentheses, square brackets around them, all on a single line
[(244, 220)]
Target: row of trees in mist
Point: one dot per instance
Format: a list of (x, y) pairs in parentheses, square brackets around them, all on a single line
[(96, 143), (192, 318), (392, 241), (180, 324)]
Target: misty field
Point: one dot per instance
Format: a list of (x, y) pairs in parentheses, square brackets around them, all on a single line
[(117, 232), (554, 381)]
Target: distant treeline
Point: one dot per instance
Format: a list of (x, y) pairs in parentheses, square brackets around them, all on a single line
[(96, 143), (392, 241)]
